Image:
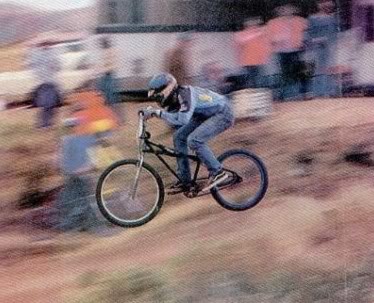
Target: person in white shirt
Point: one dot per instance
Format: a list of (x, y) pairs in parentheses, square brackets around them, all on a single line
[(45, 64)]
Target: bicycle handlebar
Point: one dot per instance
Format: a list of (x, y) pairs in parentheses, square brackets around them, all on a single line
[(141, 113), (142, 131)]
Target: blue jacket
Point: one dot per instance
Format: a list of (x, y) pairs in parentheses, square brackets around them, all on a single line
[(195, 100)]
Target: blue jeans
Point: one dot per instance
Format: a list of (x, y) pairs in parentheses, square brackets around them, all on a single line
[(46, 116), (254, 76), (323, 83), (195, 136), (47, 97), (292, 81)]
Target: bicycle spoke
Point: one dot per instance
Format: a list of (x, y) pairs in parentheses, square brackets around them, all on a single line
[(129, 193)]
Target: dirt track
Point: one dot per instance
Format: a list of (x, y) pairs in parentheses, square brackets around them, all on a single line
[(305, 226)]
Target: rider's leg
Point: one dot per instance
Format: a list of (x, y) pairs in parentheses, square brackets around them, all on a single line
[(209, 129), (180, 145)]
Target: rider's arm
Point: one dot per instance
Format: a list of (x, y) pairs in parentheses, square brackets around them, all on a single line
[(183, 116)]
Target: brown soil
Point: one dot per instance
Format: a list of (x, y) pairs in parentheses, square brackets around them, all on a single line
[(320, 222)]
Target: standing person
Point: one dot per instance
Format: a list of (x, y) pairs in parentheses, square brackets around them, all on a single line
[(177, 59), (287, 32), (322, 37), (73, 204), (254, 52), (45, 64), (106, 82), (93, 113)]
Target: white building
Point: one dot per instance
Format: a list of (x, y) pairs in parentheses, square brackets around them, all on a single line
[(142, 30)]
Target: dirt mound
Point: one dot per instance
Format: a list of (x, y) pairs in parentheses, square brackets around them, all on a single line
[(312, 229)]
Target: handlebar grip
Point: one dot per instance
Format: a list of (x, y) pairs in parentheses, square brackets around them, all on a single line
[(141, 113)]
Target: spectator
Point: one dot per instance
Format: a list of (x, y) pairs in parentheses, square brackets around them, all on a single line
[(287, 33), (213, 78), (92, 111), (322, 37), (106, 83), (75, 212), (254, 52), (88, 124), (176, 61), (45, 64)]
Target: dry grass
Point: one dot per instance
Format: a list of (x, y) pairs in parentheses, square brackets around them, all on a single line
[(12, 58)]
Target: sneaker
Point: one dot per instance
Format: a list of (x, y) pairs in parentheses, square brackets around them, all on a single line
[(177, 184), (216, 180), (178, 188)]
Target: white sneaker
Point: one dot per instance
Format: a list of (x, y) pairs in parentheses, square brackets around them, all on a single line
[(216, 180)]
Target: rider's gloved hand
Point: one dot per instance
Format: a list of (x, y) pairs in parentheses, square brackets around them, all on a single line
[(152, 113)]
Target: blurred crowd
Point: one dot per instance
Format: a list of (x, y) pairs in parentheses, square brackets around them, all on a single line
[(291, 55)]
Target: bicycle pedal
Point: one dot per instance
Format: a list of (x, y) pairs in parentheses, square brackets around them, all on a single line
[(174, 193), (191, 194)]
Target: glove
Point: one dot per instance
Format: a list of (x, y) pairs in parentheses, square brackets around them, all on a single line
[(151, 113)]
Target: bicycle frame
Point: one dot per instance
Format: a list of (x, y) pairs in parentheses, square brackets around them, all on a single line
[(148, 147)]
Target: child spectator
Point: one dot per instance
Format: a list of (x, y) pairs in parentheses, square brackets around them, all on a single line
[(75, 212), (82, 132)]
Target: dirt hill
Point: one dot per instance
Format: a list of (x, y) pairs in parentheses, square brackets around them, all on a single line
[(310, 240)]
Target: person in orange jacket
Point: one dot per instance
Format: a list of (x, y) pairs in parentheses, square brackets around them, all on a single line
[(287, 33), (94, 116), (254, 50)]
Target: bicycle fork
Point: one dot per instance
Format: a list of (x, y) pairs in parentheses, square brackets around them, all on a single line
[(136, 181)]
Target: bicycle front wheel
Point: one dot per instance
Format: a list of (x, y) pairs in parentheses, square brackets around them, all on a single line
[(129, 195), (247, 182)]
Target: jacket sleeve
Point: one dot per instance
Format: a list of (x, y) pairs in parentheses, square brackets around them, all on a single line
[(187, 108)]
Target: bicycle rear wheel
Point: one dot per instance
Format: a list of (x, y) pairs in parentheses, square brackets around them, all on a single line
[(115, 197), (247, 183)]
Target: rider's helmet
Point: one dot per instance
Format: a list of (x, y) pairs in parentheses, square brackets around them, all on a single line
[(163, 87)]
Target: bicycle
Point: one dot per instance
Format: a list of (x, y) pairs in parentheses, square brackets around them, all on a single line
[(142, 192)]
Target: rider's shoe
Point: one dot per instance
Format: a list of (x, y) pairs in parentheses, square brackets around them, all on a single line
[(178, 187), (175, 185), (215, 180)]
